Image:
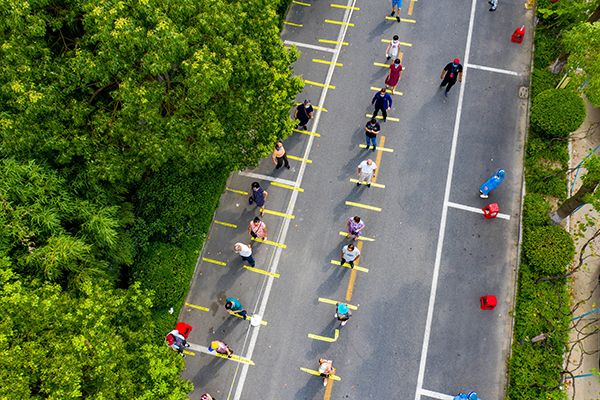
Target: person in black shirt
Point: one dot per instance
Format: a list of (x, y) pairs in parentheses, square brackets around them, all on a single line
[(372, 129), (451, 71), (304, 113)]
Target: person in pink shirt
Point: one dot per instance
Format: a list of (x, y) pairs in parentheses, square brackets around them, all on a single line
[(220, 348)]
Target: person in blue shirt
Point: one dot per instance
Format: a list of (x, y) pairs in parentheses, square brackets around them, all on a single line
[(470, 396), (234, 306), (382, 101)]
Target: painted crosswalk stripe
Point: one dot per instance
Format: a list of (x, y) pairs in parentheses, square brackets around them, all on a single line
[(327, 62), (366, 239), (299, 159), (348, 7), (325, 339), (401, 19), (319, 84), (213, 261), (317, 373), (338, 22), (389, 90), (380, 117), (226, 224), (279, 214), (289, 23), (283, 246), (307, 132), (333, 41), (198, 307), (350, 203), (364, 146), (350, 306), (356, 267), (377, 185), (287, 186), (260, 271), (237, 191), (402, 43)]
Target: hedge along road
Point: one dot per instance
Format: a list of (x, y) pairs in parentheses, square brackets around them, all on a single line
[(417, 331)]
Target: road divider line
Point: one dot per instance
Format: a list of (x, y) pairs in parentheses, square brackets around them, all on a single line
[(213, 261), (320, 84), (302, 4), (366, 239), (328, 301), (350, 203), (380, 117), (352, 280), (299, 159), (333, 42), (410, 7), (198, 307), (325, 339), (260, 271), (287, 186), (279, 214), (356, 267), (289, 23), (307, 132), (327, 62), (364, 146), (309, 46), (378, 161), (389, 90), (346, 7), (328, 389), (475, 210), (377, 185), (204, 349), (338, 22), (401, 19), (402, 43), (283, 246), (237, 191), (225, 224), (317, 373), (267, 178)]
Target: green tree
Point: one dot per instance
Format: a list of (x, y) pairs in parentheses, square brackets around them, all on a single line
[(583, 44)]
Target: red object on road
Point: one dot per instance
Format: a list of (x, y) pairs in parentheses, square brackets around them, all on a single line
[(491, 211), (184, 329), (488, 302), (518, 35)]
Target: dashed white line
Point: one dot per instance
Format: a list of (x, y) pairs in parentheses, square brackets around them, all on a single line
[(490, 69), (267, 178), (475, 210), (309, 46)]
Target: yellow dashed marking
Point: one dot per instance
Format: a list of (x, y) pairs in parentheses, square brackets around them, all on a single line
[(350, 203), (213, 261), (226, 224), (339, 23), (283, 246), (260, 271), (198, 307), (333, 41), (327, 62)]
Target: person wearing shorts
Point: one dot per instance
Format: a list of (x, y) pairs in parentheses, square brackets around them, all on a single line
[(396, 4)]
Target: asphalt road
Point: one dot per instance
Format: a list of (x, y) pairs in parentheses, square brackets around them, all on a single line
[(417, 331)]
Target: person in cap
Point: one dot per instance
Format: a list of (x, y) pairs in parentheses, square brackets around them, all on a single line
[(304, 113), (491, 184), (326, 369), (342, 313), (470, 396), (451, 72), (220, 348)]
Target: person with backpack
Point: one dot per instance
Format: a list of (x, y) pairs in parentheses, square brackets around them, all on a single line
[(220, 348), (451, 72), (326, 369), (257, 229), (342, 313), (176, 341)]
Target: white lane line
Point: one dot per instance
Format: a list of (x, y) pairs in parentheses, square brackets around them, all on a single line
[(475, 210), (440, 244), (436, 395), (309, 46), (267, 178), (290, 209), (204, 349), (498, 70)]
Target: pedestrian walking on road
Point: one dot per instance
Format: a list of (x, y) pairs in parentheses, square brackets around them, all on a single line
[(245, 251), (279, 156), (220, 348), (396, 6), (494, 4), (207, 396), (393, 48), (350, 254), (326, 369), (304, 113), (366, 170), (394, 74), (342, 313), (372, 129), (176, 341), (259, 197), (491, 184), (382, 101), (234, 307), (257, 229), (451, 71), (470, 396), (355, 226)]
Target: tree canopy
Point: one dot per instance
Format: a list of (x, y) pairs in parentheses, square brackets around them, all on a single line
[(583, 44)]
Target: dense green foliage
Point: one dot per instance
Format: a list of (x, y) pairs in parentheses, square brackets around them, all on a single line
[(548, 250), (557, 112)]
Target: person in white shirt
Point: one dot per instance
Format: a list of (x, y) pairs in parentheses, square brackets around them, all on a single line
[(245, 252), (366, 170), (350, 254)]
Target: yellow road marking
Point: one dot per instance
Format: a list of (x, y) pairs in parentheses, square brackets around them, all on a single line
[(380, 117), (237, 191), (287, 186), (189, 353), (378, 160), (402, 43), (262, 322), (389, 90), (317, 373), (410, 8), (381, 65), (319, 84), (299, 159), (289, 23), (333, 41), (339, 23), (364, 146), (401, 19), (350, 203), (302, 4), (198, 307), (378, 185), (213, 261), (348, 7), (307, 132), (260, 271), (366, 239), (318, 108), (350, 290), (278, 214), (226, 224), (325, 339), (327, 62), (283, 246), (350, 306), (356, 267), (236, 358)]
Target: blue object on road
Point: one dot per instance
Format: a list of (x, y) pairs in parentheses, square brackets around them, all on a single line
[(470, 396), (491, 183)]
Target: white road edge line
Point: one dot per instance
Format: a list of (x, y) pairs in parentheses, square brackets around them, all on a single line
[(475, 210), (498, 70), (310, 46), (267, 178), (204, 349), (438, 254), (290, 209), (436, 395)]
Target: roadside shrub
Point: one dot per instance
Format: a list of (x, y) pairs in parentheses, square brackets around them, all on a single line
[(557, 112), (535, 211), (541, 80), (548, 250), (546, 181)]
